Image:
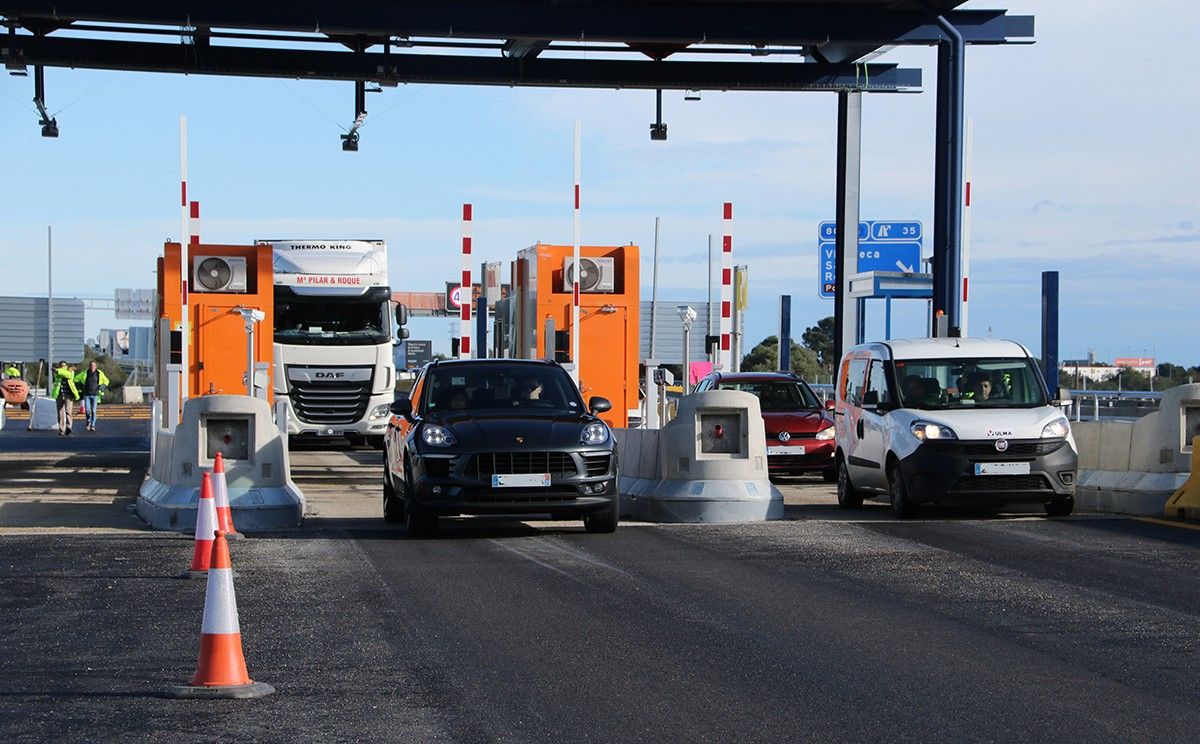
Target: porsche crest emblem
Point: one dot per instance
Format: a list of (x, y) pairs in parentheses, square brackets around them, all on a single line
[(520, 440)]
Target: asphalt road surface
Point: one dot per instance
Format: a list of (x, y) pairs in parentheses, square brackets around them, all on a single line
[(956, 627)]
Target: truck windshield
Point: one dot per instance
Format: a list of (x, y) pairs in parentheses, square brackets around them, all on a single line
[(328, 319), (969, 383)]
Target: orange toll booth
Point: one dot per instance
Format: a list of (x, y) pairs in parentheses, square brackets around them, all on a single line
[(222, 280), (608, 317)]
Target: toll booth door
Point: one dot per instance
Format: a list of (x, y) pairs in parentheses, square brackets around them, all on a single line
[(220, 350), (605, 363)]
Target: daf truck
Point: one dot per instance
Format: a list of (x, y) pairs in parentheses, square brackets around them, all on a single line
[(334, 333)]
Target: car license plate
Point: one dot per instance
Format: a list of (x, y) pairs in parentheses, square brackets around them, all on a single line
[(1001, 468), (520, 480), (784, 450)]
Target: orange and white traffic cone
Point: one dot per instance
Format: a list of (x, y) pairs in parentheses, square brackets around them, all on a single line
[(221, 670), (221, 495), (206, 526)]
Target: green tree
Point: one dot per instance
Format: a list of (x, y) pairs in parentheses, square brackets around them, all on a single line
[(819, 339), (764, 357)]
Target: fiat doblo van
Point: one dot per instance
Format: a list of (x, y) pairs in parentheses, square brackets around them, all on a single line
[(951, 421)]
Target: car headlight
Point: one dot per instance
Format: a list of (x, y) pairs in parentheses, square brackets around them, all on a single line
[(381, 411), (826, 434), (594, 433), (1056, 429), (923, 430), (436, 436)]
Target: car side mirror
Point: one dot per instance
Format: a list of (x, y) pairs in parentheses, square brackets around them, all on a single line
[(402, 407), (599, 405), (1064, 398), (830, 404)]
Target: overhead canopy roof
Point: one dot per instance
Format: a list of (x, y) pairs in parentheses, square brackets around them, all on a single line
[(702, 44)]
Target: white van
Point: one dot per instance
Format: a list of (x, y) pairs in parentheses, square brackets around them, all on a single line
[(951, 421)]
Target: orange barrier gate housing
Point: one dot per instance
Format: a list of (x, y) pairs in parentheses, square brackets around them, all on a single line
[(217, 347), (608, 317)]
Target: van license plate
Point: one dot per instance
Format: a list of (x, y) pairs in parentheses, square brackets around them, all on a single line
[(784, 450), (1001, 468), (521, 480)]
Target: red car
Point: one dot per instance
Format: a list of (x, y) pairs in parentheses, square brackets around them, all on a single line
[(799, 428)]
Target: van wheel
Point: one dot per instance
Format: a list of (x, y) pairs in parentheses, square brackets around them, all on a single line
[(1060, 507), (903, 507), (848, 496)]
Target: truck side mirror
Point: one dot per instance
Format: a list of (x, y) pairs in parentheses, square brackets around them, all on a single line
[(401, 315)]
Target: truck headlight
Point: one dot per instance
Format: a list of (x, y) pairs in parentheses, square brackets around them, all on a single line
[(826, 434), (1056, 429), (923, 430), (380, 412), (436, 436), (594, 433)]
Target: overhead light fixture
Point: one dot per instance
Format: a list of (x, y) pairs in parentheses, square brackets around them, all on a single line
[(350, 142), (49, 128), (658, 130), (691, 95)]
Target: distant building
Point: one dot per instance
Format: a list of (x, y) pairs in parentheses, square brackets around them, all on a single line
[(25, 329)]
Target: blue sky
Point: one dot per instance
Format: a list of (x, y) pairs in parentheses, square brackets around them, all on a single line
[(1085, 162)]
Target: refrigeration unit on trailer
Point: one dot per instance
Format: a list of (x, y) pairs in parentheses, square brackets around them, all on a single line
[(333, 337)]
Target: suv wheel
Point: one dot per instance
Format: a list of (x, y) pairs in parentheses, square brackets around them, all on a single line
[(848, 496), (418, 524), (604, 521), (393, 505), (903, 507)]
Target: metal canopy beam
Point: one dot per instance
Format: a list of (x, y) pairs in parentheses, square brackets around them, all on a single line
[(422, 68), (775, 23)]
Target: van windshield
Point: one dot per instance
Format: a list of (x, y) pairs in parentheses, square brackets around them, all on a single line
[(969, 383)]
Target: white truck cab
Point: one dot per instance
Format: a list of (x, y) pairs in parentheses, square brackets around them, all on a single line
[(953, 421), (334, 336)]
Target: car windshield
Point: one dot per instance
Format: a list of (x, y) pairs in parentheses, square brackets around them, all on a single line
[(969, 383), (527, 389), (776, 395)]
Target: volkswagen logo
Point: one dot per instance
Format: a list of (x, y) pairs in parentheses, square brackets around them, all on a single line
[(1001, 445), (784, 436)]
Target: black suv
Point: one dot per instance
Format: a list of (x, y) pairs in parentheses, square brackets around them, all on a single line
[(498, 436)]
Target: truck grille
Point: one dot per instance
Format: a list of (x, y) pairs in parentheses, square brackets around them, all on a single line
[(558, 464), (330, 403)]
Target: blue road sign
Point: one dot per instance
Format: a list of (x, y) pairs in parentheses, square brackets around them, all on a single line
[(883, 245)]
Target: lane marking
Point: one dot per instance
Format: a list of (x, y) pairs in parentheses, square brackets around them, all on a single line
[(1168, 523)]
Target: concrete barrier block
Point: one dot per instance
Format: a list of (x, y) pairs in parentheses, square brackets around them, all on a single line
[(1124, 492), (651, 440), (258, 471), (1087, 441), (1116, 439), (631, 455)]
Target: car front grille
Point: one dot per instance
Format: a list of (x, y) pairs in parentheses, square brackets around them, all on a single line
[(330, 403), (597, 464), (1016, 448), (978, 483), (484, 465)]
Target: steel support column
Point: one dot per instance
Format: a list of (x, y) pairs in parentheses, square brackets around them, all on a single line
[(785, 333), (1050, 330), (849, 155), (947, 180)]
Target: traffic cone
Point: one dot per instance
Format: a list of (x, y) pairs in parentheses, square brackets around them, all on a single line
[(221, 669), (206, 526), (221, 496)]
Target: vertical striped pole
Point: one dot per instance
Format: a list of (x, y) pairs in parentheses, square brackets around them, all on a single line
[(575, 263), (464, 292), (726, 355), (968, 145), (184, 242), (194, 223)]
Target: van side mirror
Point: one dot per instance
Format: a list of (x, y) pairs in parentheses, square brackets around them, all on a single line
[(870, 400), (1064, 398)]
